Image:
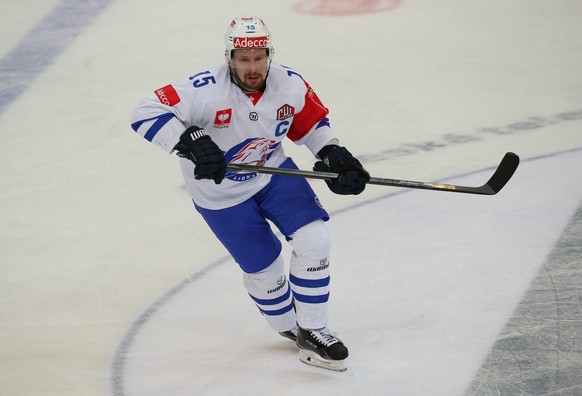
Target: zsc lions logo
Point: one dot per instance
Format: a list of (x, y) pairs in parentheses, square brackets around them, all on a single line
[(253, 151)]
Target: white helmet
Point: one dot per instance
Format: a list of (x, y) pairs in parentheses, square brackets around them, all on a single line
[(247, 33)]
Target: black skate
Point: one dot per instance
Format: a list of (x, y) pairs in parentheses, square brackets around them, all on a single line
[(320, 348), (290, 334)]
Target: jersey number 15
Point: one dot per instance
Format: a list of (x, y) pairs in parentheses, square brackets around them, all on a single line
[(202, 81)]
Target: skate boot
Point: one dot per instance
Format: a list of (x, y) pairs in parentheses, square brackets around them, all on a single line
[(321, 348), (290, 334)]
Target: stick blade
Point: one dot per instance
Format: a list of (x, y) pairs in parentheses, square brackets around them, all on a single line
[(504, 172)]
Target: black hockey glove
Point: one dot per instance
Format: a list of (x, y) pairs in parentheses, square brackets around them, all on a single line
[(352, 175), (199, 148)]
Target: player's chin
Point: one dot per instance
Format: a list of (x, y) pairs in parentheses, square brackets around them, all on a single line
[(254, 83)]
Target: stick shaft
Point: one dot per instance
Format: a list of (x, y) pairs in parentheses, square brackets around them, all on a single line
[(501, 176)]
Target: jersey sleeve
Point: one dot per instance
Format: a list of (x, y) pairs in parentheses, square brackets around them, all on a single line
[(311, 126), (157, 117)]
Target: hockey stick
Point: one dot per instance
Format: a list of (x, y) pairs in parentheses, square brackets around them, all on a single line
[(502, 174)]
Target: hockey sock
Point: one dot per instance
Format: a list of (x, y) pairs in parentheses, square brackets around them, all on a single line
[(271, 293), (310, 274)]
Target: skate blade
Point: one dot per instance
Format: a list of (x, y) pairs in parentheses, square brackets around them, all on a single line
[(313, 359)]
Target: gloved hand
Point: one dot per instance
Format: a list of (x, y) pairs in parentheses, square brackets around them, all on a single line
[(199, 148), (352, 175)]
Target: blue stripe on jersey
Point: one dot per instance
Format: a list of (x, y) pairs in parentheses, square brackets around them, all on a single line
[(322, 123), (161, 120), (311, 299), (278, 312), (273, 301), (311, 283)]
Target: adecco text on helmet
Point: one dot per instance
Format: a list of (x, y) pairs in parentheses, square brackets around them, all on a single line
[(246, 42)]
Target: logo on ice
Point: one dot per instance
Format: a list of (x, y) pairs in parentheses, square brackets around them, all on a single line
[(246, 42)]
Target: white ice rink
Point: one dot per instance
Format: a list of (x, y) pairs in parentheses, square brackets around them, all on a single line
[(111, 283)]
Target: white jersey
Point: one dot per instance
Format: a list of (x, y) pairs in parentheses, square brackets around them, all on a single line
[(248, 130)]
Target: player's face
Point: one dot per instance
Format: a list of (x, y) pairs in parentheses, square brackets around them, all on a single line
[(250, 68)]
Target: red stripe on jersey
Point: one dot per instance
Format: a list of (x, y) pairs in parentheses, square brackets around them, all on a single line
[(312, 113)]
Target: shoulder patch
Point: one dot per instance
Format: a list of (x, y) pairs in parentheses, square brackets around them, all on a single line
[(168, 95)]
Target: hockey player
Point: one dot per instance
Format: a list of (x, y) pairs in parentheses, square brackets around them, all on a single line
[(240, 112)]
